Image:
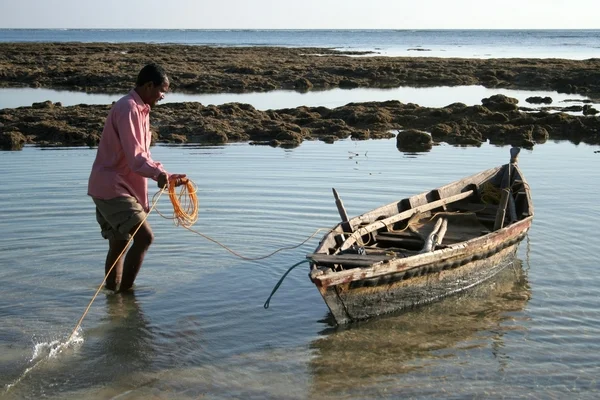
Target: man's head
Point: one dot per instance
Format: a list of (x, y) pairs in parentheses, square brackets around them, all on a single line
[(152, 84)]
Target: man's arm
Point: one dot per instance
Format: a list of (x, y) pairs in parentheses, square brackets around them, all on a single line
[(133, 142)]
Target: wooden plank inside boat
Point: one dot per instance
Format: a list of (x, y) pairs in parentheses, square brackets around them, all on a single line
[(349, 260), (402, 216)]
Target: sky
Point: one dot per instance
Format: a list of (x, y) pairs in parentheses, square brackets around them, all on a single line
[(301, 14)]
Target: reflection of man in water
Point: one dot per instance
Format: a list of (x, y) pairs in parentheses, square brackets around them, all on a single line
[(128, 341)]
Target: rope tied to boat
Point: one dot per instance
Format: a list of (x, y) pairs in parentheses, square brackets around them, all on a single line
[(266, 305), (185, 214)]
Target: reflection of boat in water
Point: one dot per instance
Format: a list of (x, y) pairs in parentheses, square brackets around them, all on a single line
[(352, 357)]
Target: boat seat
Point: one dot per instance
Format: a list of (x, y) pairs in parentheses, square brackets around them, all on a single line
[(414, 242), (461, 227), (348, 260)]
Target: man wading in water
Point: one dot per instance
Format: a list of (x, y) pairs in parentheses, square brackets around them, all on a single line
[(118, 181)]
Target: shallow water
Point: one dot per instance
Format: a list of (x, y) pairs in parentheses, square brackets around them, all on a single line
[(423, 96), (196, 326)]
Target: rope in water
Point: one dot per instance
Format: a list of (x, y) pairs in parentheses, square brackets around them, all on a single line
[(255, 258), (185, 214), (266, 305), (154, 202)]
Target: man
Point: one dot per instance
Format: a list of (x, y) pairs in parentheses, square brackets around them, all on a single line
[(118, 181)]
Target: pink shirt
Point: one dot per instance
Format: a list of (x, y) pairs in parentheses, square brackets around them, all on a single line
[(123, 160)]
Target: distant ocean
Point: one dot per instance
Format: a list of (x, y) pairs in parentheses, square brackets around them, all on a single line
[(570, 44)]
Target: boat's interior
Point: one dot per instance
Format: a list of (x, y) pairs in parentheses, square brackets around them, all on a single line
[(466, 219), (474, 216), (461, 226)]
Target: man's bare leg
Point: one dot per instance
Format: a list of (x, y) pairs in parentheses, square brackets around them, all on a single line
[(115, 247), (135, 255)]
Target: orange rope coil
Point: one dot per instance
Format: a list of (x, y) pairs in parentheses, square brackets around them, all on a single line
[(185, 203)]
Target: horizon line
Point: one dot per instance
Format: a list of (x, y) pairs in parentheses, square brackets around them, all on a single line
[(307, 29)]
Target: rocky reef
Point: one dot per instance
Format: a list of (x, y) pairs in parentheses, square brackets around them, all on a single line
[(498, 120), (109, 68)]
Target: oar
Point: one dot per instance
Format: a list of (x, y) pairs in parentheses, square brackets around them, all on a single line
[(340, 206), (506, 199), (512, 208)]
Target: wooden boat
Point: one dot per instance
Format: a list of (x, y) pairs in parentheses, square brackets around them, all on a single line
[(425, 247)]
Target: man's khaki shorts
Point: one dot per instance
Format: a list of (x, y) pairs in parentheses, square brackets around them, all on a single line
[(117, 217)]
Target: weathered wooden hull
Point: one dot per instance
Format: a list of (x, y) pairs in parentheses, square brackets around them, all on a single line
[(370, 268), (408, 288)]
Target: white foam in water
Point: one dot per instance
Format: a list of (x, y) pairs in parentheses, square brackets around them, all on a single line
[(46, 350), (40, 349)]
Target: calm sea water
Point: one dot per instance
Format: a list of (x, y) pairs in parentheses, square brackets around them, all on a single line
[(440, 96), (572, 44), (196, 326)]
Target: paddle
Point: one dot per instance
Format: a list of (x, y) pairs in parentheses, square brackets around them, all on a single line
[(340, 206), (506, 199)]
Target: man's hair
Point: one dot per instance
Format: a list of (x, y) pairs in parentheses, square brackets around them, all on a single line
[(151, 73)]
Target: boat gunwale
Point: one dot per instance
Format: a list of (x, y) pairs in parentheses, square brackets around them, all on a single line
[(402, 264), (489, 240), (338, 229)]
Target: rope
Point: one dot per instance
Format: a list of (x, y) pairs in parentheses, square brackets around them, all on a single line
[(111, 268), (185, 204), (255, 258), (280, 281), (185, 214), (490, 194)]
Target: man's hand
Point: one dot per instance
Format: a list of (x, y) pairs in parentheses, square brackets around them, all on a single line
[(178, 179), (162, 181)]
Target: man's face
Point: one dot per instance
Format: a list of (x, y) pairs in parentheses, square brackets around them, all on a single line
[(157, 93)]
